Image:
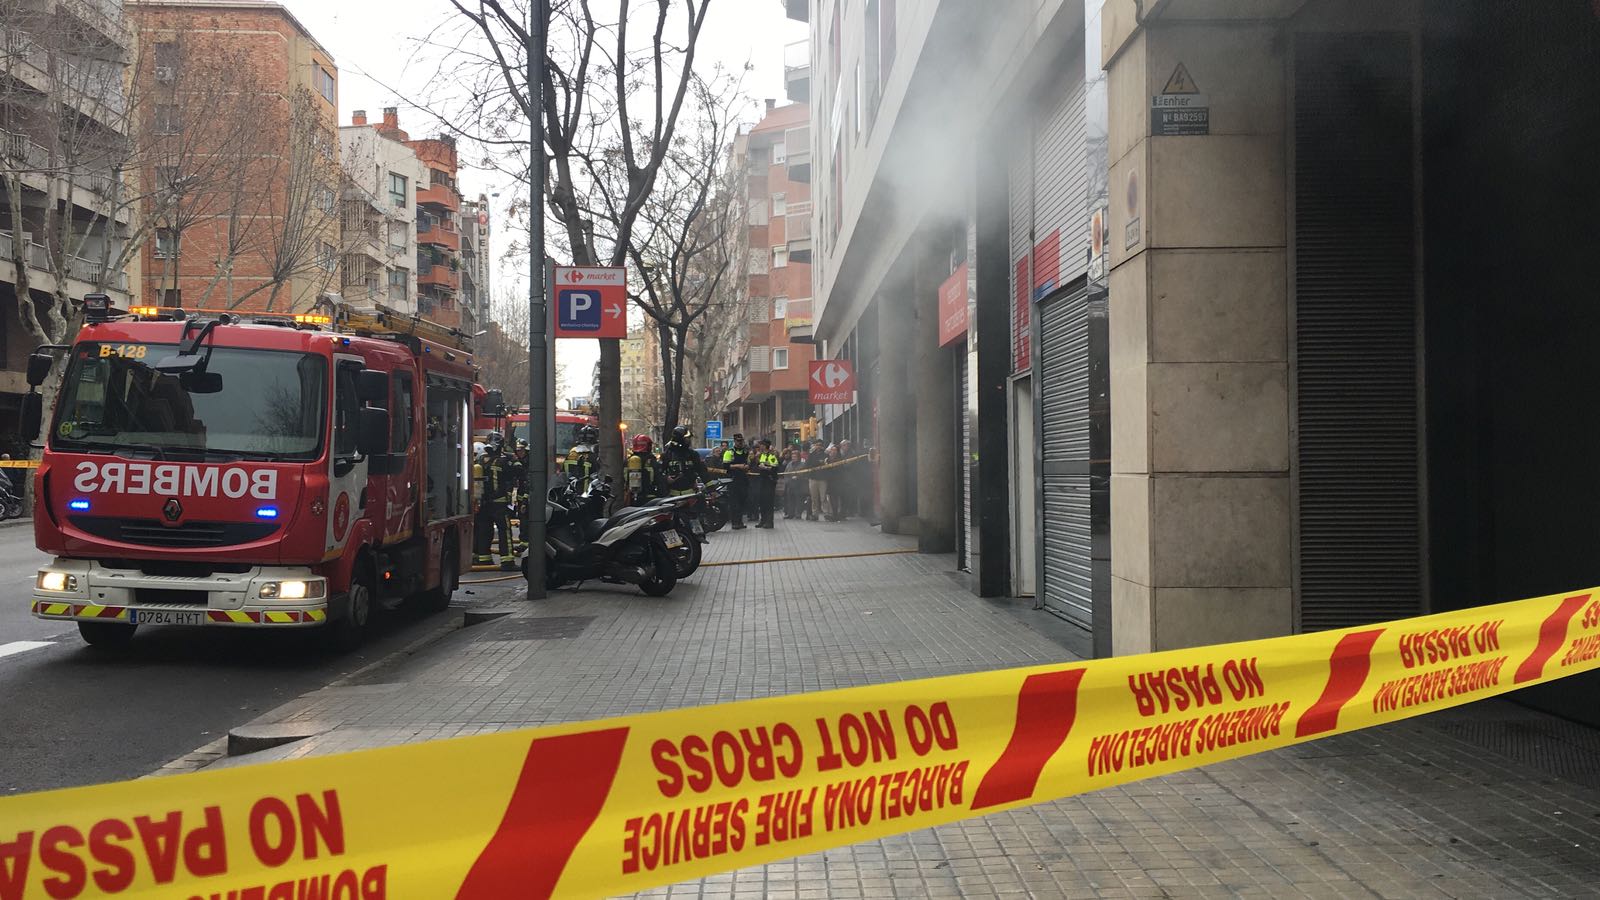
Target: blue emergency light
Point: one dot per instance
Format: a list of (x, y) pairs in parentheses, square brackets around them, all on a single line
[(78, 505), (267, 512)]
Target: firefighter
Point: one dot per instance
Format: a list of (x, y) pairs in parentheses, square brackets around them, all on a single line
[(765, 480), (492, 517), (516, 472), (736, 460), (681, 466), (644, 473), (580, 459)]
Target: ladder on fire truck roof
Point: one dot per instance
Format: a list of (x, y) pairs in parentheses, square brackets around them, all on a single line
[(380, 320)]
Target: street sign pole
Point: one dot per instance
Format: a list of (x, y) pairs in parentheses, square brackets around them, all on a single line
[(539, 357)]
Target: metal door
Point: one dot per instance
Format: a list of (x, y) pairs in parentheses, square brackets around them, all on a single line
[(1067, 561)]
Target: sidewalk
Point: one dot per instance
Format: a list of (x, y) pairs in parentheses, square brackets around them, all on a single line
[(1488, 801)]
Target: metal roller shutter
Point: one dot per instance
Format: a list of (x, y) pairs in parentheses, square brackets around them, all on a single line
[(1357, 459), (1064, 425), (1061, 226)]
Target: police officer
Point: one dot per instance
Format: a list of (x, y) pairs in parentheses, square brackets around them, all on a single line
[(736, 460), (643, 472), (580, 459), (494, 494), (681, 466), (766, 482)]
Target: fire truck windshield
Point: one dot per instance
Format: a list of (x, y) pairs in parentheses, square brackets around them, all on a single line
[(261, 404)]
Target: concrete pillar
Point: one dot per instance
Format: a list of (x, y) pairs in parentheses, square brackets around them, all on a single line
[(1200, 494), (933, 381), (895, 499)]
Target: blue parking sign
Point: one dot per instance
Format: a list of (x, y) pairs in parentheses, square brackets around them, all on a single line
[(578, 309), (713, 431)]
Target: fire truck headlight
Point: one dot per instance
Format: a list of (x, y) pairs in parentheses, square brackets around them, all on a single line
[(57, 581), (293, 590)]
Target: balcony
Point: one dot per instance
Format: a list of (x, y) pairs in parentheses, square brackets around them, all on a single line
[(78, 268), (797, 71), (797, 146), (797, 232), (440, 277), (440, 233), (798, 10), (442, 195), (797, 322), (105, 15)]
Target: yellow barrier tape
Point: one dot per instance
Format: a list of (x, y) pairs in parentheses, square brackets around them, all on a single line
[(621, 805), (799, 473)]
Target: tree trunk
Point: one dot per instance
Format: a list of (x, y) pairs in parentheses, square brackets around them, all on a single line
[(672, 387)]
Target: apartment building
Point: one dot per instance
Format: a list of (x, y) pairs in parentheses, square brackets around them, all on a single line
[(241, 112), (65, 130), (379, 213), (439, 233), (761, 390), (643, 392), (477, 258)]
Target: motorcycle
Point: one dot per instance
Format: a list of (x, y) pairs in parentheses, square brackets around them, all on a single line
[(11, 505), (714, 510), (634, 546), (686, 511)]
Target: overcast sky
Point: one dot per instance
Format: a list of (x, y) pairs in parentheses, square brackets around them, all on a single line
[(372, 40)]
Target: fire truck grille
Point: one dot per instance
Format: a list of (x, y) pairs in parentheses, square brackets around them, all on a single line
[(151, 533)]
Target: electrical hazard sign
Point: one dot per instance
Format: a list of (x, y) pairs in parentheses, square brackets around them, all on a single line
[(1180, 108)]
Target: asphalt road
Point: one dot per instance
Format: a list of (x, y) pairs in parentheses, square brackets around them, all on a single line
[(71, 714)]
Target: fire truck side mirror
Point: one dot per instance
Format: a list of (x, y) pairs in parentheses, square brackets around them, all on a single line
[(494, 403), (372, 432), (32, 416), (39, 364)]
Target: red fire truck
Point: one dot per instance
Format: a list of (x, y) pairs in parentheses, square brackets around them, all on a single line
[(251, 470), (566, 434)]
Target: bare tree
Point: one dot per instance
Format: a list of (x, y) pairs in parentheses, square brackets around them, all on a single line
[(613, 99), (680, 248)]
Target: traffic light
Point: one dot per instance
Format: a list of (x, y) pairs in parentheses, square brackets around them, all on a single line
[(809, 429)]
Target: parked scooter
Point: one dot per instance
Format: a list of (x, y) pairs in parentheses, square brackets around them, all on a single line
[(634, 546), (11, 505)]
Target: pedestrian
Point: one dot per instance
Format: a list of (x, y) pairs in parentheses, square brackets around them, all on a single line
[(818, 487), (794, 486), (765, 479), (736, 460), (840, 487), (833, 476)]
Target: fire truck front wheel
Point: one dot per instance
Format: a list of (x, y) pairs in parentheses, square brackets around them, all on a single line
[(106, 634), (350, 630)]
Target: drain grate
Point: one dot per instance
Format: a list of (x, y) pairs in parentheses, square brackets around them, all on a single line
[(546, 628)]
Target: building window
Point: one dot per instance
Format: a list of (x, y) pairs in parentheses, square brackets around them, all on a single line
[(779, 153), (324, 81), (397, 278), (167, 121), (166, 62), (780, 307), (779, 207), (780, 257), (758, 310), (167, 178), (172, 297), (758, 261), (325, 255), (398, 194), (780, 358), (166, 243), (326, 201)]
